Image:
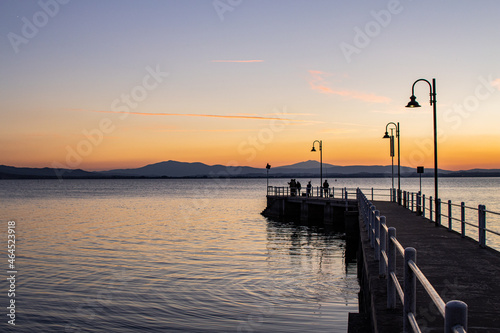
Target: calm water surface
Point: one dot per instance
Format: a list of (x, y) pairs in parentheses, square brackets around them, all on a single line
[(182, 256), (168, 256)]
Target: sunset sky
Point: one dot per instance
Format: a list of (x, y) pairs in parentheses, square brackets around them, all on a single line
[(116, 84)]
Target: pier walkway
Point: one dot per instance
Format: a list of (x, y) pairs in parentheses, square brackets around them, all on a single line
[(458, 269), (416, 274)]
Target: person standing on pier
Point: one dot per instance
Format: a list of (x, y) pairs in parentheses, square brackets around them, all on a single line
[(325, 187), (308, 189), (299, 186), (293, 187)]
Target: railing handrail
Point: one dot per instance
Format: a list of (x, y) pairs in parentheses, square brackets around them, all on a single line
[(409, 199), (386, 245), (333, 192)]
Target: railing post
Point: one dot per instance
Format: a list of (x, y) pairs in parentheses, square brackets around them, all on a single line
[(391, 268), (346, 202), (482, 225), (410, 288), (399, 197), (455, 314), (372, 193), (450, 222), (365, 210), (438, 212), (412, 201), (370, 229), (382, 269), (404, 199), (430, 208), (375, 214), (377, 235), (423, 205), (462, 217), (419, 203)]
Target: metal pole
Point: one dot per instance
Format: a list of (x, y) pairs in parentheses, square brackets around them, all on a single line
[(482, 225), (268, 179), (392, 171), (399, 159), (419, 203), (321, 164), (420, 182), (423, 205), (462, 217), (430, 208), (392, 155), (377, 235), (438, 212), (436, 194), (449, 216)]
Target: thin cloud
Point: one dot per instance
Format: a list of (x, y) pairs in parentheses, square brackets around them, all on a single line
[(317, 82), (496, 83), (209, 130), (339, 131), (194, 115), (290, 114), (238, 61)]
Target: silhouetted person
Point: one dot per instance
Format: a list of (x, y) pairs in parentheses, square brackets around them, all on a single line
[(308, 189), (293, 187), (325, 187), (299, 186)]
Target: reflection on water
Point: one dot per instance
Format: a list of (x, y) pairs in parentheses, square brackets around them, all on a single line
[(169, 256)]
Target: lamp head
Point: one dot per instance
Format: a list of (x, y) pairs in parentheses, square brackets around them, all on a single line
[(313, 149), (413, 103), (386, 136), (268, 166)]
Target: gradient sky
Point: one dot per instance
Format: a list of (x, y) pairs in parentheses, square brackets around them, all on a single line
[(120, 83)]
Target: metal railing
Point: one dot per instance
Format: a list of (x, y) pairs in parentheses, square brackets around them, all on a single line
[(313, 192), (417, 202), (386, 246), (331, 192)]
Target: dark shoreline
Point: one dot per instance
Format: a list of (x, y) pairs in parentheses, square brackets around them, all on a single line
[(457, 174)]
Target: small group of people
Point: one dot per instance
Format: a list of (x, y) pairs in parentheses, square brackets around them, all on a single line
[(295, 187)]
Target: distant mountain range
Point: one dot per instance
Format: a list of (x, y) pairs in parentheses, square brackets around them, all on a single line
[(175, 169)]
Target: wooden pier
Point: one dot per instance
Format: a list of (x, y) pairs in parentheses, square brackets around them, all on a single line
[(454, 280), (456, 267)]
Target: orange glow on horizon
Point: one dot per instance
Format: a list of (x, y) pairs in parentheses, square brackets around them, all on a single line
[(132, 149)]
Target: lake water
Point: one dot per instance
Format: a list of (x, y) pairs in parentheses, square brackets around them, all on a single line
[(168, 256), (179, 256)]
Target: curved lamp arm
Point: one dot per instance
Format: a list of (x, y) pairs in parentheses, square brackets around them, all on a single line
[(395, 125), (432, 88), (319, 142)]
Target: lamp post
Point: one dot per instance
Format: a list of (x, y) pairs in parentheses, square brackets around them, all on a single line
[(320, 161), (414, 104), (268, 166), (386, 136)]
